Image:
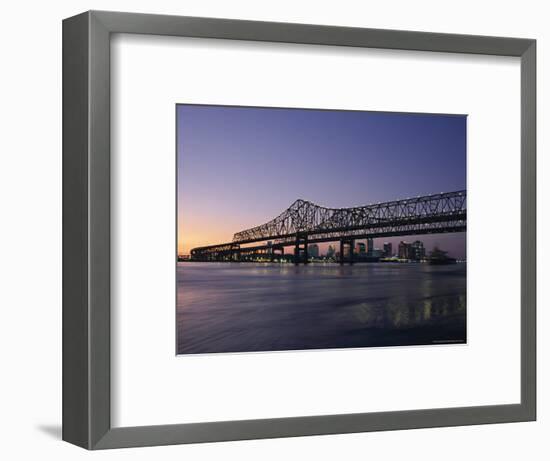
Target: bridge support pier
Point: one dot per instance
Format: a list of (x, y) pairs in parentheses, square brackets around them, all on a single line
[(274, 250), (343, 243), (300, 253), (235, 253)]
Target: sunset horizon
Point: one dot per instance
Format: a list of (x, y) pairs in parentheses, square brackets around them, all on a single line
[(400, 155)]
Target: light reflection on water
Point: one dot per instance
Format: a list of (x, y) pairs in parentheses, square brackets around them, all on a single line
[(242, 307)]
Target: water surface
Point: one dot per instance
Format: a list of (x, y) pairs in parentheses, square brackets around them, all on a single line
[(243, 307)]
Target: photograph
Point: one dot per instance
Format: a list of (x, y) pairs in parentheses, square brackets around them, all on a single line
[(307, 229)]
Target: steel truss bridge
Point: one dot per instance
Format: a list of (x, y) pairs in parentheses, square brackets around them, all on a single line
[(304, 223)]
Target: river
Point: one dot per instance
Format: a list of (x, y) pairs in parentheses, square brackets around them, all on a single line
[(244, 307)]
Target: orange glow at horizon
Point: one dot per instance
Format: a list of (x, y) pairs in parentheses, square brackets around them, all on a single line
[(201, 231), (198, 225), (188, 240)]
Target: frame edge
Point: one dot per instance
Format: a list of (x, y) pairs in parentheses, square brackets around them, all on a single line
[(312, 34), (86, 231), (529, 230), (75, 231)]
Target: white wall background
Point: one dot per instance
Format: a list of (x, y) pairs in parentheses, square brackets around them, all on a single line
[(30, 231)]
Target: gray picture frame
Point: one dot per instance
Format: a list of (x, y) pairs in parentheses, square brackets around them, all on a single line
[(86, 229)]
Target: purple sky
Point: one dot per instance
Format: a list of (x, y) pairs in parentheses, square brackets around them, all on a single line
[(239, 167)]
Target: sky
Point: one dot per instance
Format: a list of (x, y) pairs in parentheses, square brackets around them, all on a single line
[(239, 167)]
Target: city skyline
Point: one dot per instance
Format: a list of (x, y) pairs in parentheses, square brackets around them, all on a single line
[(381, 247), (238, 166), (323, 249)]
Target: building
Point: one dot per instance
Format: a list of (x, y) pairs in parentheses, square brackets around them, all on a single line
[(331, 252), (417, 251), (388, 250), (313, 250), (360, 248), (370, 247), (404, 250)]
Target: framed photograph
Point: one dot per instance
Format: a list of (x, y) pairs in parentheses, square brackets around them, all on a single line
[(275, 230), (318, 277)]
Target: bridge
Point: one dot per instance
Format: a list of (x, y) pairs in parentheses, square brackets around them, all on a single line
[(304, 223)]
